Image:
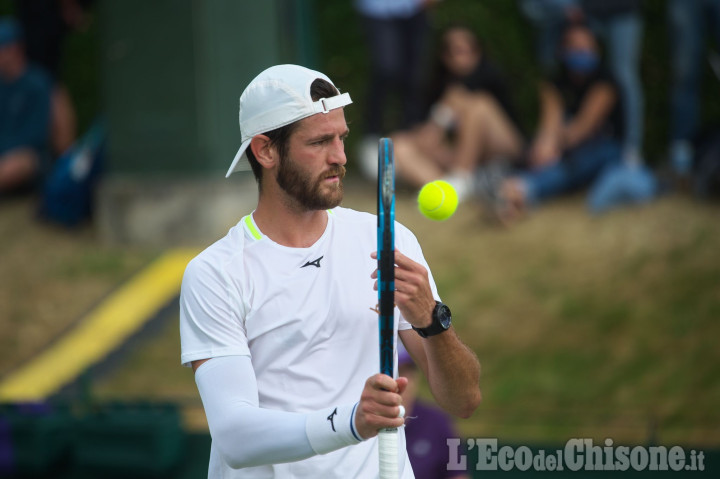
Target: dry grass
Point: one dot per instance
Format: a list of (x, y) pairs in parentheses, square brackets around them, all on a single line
[(49, 278), (590, 326)]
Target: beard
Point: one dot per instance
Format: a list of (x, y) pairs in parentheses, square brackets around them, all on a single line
[(310, 193)]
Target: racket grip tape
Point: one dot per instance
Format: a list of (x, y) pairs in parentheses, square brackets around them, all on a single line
[(388, 452)]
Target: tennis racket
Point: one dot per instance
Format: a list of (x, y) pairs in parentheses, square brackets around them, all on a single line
[(387, 438)]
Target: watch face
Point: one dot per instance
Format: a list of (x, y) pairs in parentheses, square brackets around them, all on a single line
[(444, 316)]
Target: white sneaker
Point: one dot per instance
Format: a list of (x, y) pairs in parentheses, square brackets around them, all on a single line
[(462, 182)]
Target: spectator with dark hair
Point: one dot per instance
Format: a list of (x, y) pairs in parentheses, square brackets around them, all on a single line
[(579, 132), (25, 97), (619, 23), (471, 119)]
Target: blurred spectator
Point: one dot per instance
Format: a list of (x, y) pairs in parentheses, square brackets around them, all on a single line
[(706, 178), (579, 131), (46, 24), (548, 17), (706, 157), (396, 34), (619, 23), (471, 119), (427, 428), (25, 92), (689, 20)]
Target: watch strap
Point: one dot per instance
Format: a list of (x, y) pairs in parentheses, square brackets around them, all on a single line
[(436, 327)]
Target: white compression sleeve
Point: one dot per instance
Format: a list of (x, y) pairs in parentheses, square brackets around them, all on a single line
[(247, 435)]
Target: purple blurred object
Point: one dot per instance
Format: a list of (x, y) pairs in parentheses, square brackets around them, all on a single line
[(6, 448), (404, 358)]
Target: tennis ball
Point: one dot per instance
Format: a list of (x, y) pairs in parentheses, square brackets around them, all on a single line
[(437, 200)]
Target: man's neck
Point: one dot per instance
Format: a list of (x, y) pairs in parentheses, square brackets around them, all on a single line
[(287, 224)]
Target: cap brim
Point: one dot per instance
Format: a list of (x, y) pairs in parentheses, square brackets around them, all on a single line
[(240, 157)]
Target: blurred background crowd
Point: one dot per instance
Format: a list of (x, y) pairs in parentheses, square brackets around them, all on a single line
[(512, 102), (590, 64)]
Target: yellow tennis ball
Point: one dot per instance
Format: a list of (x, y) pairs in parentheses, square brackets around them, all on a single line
[(438, 200)]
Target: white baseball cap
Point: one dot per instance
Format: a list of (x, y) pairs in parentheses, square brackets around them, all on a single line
[(277, 97)]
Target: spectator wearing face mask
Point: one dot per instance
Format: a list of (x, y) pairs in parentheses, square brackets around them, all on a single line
[(580, 128)]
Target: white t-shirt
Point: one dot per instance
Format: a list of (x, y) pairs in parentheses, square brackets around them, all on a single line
[(306, 317)]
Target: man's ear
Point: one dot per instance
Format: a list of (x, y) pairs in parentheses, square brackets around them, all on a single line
[(263, 150)]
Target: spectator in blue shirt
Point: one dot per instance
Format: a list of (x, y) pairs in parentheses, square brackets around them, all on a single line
[(25, 98)]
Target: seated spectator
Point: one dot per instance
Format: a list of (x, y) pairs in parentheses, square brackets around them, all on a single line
[(620, 24), (427, 428), (579, 132), (471, 120), (25, 103)]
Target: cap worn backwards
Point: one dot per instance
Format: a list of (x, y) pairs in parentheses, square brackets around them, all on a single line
[(277, 97)]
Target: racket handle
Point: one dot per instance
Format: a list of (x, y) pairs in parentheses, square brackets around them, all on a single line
[(388, 452)]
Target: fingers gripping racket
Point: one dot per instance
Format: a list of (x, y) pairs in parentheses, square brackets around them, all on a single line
[(387, 438)]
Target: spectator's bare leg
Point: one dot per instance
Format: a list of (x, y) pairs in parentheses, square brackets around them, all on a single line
[(63, 121), (420, 155), (484, 132)]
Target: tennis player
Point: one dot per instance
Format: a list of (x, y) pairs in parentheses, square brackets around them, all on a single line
[(279, 319)]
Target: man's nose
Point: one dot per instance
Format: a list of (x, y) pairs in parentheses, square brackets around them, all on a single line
[(337, 154)]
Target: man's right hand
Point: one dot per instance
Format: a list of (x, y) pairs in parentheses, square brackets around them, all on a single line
[(379, 405)]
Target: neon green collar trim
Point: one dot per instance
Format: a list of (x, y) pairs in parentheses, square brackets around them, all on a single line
[(252, 228), (250, 224)]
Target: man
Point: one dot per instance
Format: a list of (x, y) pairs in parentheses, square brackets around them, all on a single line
[(25, 99), (278, 319)]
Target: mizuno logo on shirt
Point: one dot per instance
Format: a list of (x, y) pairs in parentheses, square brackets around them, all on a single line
[(315, 263), (331, 417)]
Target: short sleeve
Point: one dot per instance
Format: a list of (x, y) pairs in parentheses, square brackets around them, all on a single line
[(211, 314)]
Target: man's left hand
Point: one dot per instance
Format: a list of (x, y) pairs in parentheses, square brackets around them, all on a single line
[(413, 295)]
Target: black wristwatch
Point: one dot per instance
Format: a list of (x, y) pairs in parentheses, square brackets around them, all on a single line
[(441, 320)]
